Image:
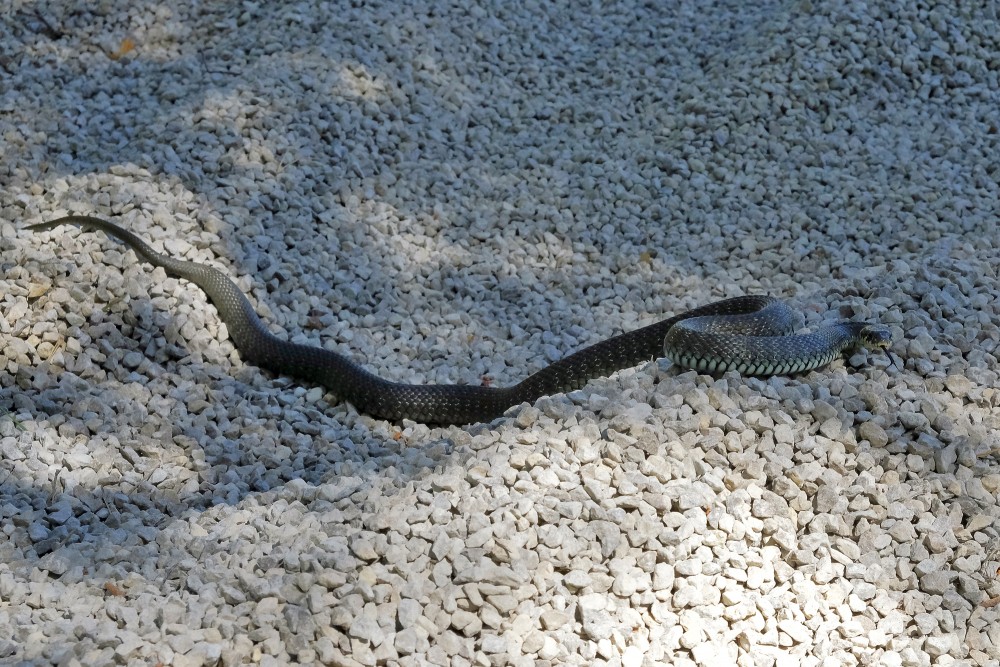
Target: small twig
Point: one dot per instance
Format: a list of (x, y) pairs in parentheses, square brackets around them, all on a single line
[(50, 31)]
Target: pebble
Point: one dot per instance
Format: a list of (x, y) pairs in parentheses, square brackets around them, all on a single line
[(553, 619), (797, 631), (445, 204), (408, 612), (873, 433)]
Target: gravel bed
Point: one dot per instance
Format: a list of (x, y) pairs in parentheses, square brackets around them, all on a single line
[(465, 192)]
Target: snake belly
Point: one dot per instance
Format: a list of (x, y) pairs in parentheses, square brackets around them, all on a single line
[(712, 344)]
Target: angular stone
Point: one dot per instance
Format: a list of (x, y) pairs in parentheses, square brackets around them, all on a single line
[(874, 434), (363, 549), (465, 622), (407, 612), (364, 627), (596, 624), (936, 583), (938, 646), (577, 579), (406, 641), (553, 620), (796, 630)]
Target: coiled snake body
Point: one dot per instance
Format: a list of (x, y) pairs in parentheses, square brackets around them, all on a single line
[(746, 334)]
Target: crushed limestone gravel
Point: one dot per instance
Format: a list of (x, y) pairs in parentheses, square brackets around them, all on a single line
[(465, 192)]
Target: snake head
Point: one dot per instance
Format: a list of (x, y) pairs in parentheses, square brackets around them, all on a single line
[(874, 337)]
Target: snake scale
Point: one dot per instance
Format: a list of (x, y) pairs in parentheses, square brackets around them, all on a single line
[(747, 334)]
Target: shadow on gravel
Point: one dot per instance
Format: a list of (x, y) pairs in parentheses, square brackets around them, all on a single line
[(167, 478)]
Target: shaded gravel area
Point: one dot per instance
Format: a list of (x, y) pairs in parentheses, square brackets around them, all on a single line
[(465, 193)]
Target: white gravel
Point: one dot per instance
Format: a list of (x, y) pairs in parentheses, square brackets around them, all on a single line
[(458, 192)]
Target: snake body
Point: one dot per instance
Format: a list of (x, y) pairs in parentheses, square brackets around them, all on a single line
[(711, 338)]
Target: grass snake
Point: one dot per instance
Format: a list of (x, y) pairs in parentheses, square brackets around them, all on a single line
[(749, 334)]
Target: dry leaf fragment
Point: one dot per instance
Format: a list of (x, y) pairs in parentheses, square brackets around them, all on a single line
[(126, 47), (114, 589)]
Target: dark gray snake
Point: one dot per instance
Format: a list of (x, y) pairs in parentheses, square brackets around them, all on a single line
[(747, 334)]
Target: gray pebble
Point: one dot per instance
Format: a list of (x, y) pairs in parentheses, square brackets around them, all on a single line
[(936, 583), (873, 433)]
